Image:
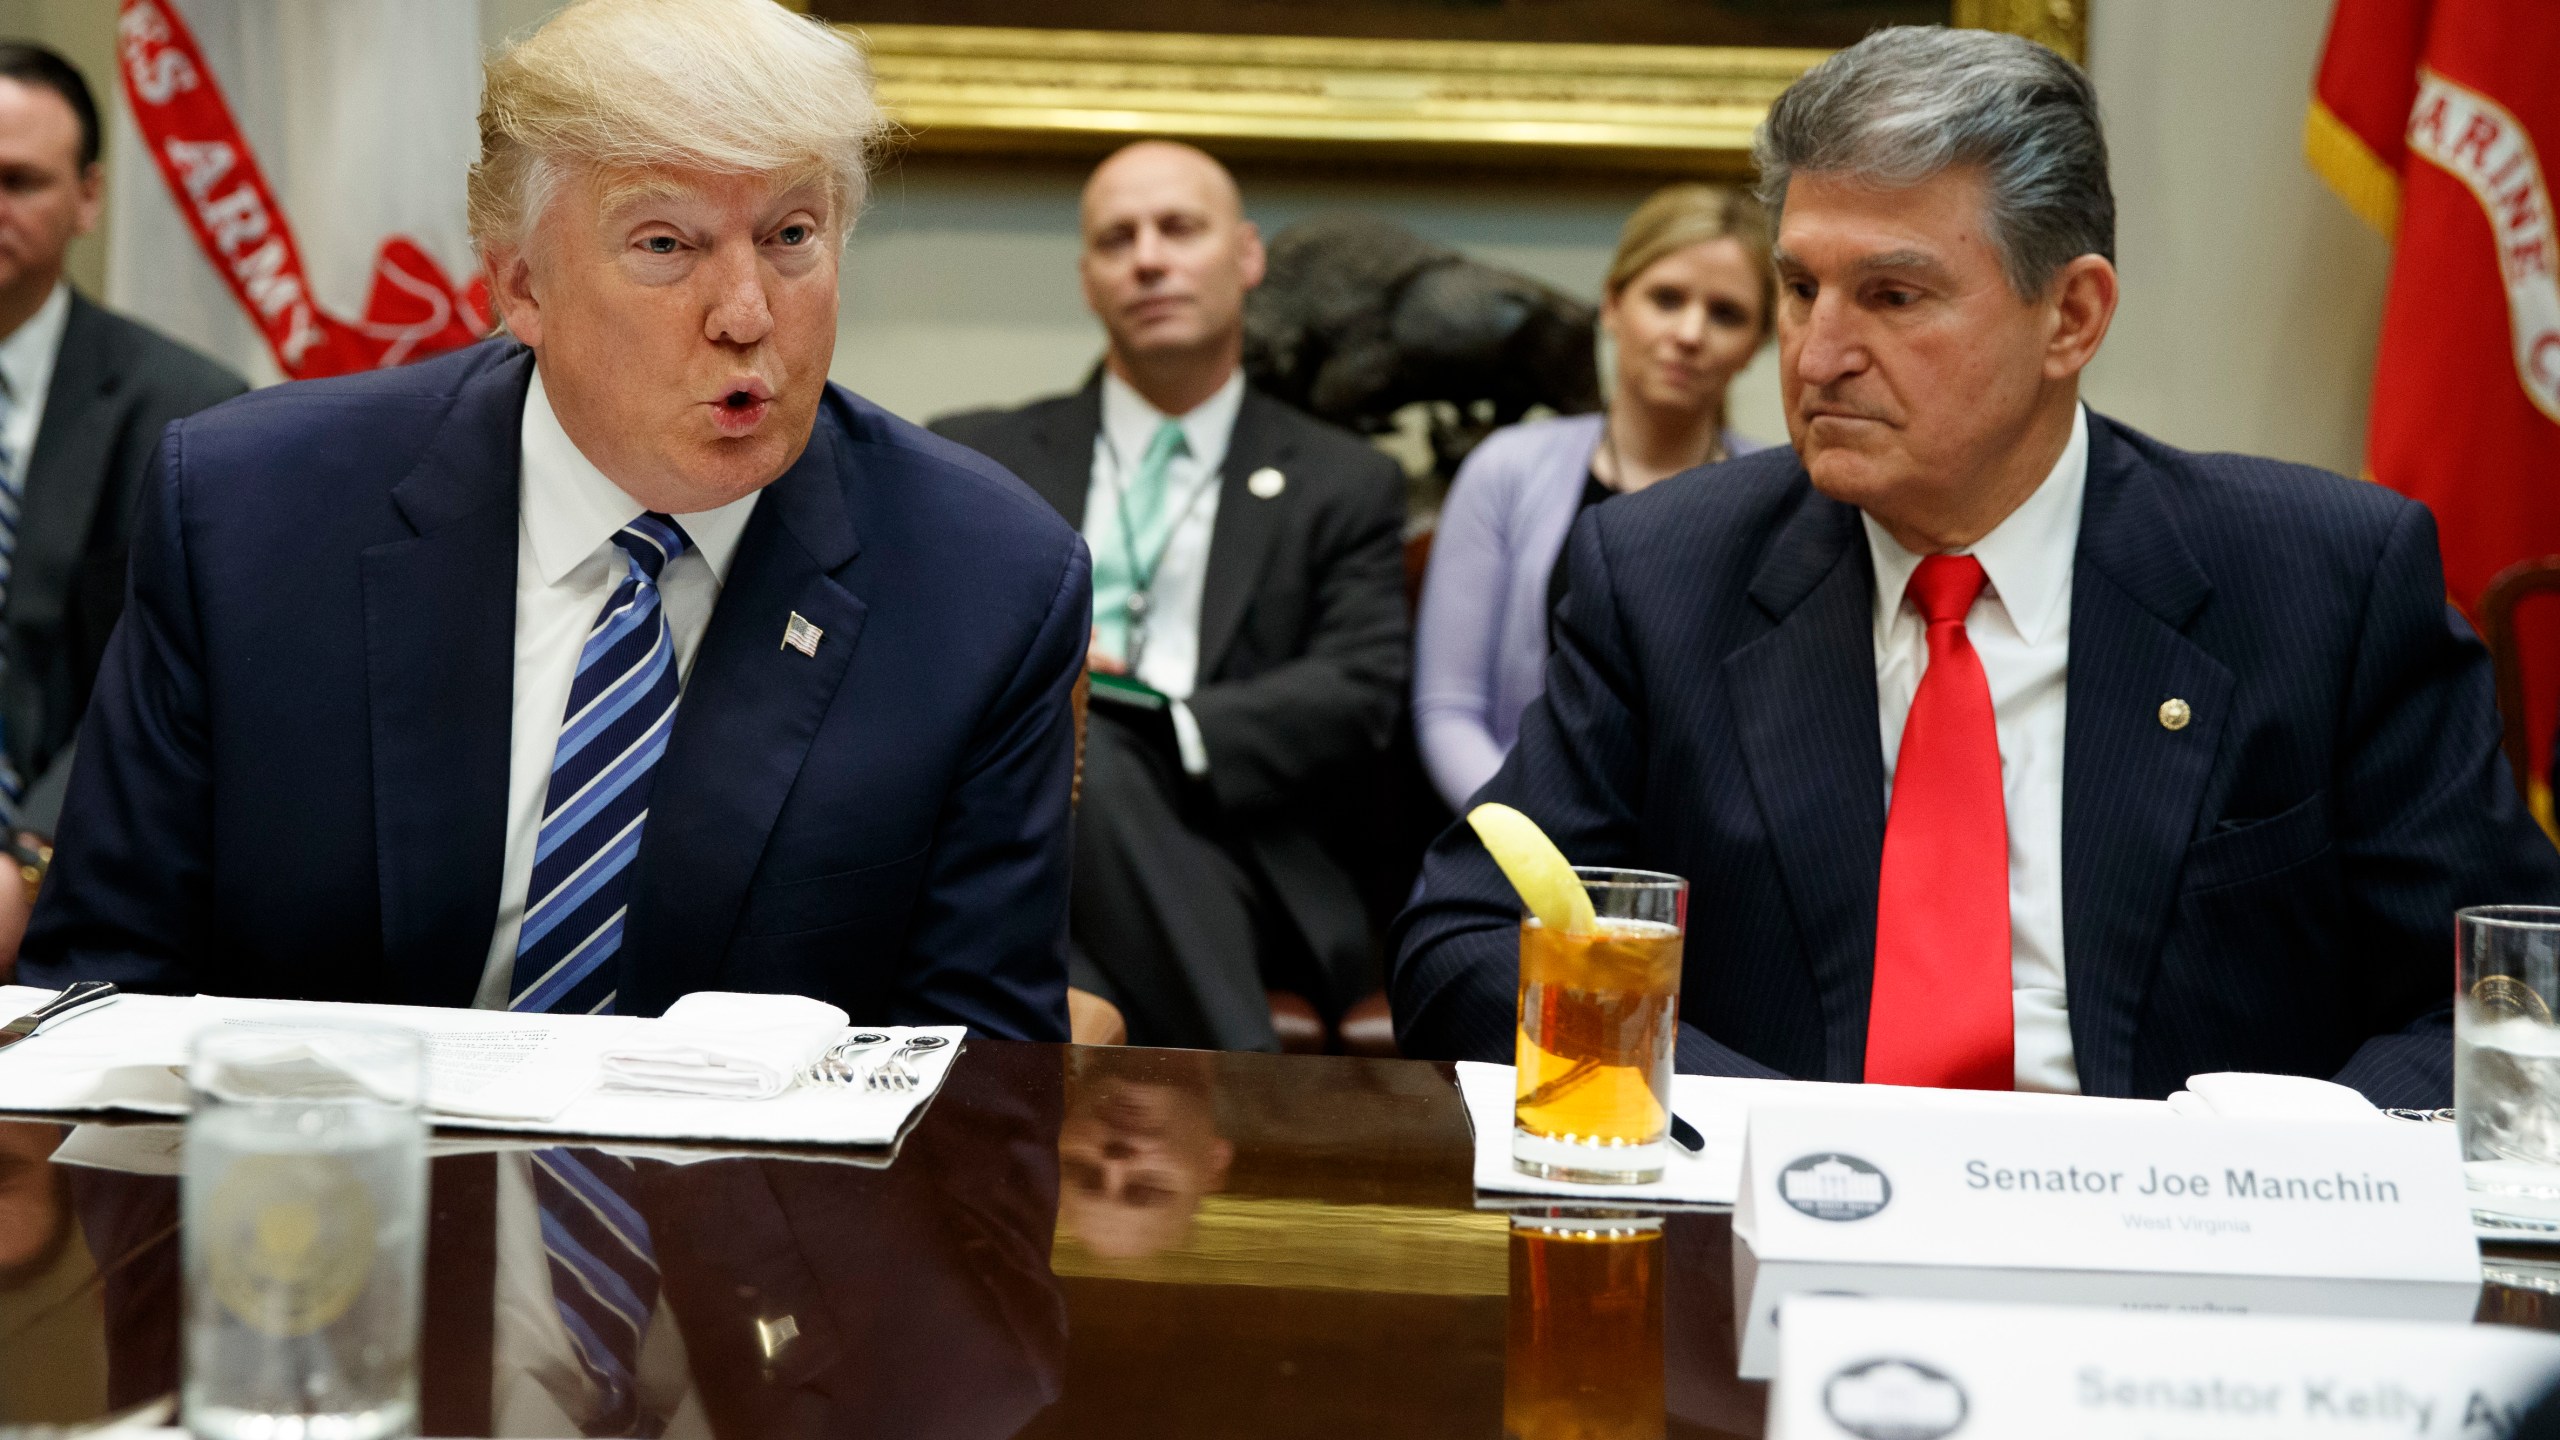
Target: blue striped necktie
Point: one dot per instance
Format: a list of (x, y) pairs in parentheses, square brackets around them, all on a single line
[(621, 707), (604, 1278)]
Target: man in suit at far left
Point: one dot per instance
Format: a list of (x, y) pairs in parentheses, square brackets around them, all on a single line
[(84, 395), (618, 658)]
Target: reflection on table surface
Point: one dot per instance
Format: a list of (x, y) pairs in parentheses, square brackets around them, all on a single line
[(1071, 1242)]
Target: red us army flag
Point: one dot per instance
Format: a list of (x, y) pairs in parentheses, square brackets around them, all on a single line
[(2429, 117), (288, 178)]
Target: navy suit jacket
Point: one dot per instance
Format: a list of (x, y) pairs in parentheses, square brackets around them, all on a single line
[(293, 778), (2269, 888)]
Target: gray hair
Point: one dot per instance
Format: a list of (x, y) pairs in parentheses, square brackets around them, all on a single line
[(1909, 102)]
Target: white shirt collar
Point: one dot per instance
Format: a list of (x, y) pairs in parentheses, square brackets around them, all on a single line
[(571, 508), (1129, 422), (26, 357), (2028, 556)]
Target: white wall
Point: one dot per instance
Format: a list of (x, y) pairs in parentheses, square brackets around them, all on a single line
[(2252, 298)]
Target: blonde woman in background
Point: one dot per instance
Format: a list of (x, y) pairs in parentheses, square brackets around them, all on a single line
[(1686, 305)]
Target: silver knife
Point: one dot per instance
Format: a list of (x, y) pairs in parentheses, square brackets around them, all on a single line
[(84, 995)]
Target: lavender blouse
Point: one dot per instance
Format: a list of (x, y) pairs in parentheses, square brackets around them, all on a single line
[(1480, 643)]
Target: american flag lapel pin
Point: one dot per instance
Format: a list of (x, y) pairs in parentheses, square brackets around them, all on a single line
[(802, 636)]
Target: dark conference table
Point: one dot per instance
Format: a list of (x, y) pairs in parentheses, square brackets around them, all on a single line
[(1070, 1242)]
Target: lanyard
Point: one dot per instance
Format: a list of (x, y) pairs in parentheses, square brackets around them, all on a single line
[(1140, 605)]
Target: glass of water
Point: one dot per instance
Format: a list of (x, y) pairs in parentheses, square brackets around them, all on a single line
[(2506, 1061), (304, 1201)]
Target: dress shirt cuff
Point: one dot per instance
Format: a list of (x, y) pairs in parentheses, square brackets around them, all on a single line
[(1186, 738)]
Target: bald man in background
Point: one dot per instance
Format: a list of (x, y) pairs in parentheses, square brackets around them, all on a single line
[(1247, 570)]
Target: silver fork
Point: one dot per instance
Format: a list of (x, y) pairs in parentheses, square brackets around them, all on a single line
[(836, 1067), (895, 1073)]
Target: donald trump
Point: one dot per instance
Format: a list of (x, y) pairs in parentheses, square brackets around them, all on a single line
[(619, 657)]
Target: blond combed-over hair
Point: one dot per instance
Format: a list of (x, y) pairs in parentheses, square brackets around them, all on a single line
[(614, 87)]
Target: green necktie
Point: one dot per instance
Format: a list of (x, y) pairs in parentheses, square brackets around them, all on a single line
[(1133, 544)]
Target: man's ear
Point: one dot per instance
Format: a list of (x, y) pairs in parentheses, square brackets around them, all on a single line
[(1251, 259), (2084, 305), (93, 194), (511, 291)]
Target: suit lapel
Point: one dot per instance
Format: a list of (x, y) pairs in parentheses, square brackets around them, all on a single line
[(2131, 786), (67, 471), (1063, 437), (439, 617), (751, 708), (1804, 707), (1240, 540)]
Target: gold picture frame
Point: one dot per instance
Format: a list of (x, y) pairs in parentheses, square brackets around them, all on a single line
[(1682, 108)]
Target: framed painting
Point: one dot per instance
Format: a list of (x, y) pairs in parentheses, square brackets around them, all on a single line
[(1647, 84)]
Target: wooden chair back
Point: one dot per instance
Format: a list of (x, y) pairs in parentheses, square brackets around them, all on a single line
[(2498, 604)]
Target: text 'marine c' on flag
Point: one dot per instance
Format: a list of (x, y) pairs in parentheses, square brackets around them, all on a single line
[(2432, 118), (287, 187)]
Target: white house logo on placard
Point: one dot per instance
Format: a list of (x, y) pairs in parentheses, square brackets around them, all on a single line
[(1834, 1187), (1894, 1400)]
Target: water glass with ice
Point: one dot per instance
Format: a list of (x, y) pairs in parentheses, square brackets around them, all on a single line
[(2506, 1065), (304, 1198)]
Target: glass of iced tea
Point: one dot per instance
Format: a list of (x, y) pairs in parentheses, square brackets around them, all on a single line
[(1598, 1015)]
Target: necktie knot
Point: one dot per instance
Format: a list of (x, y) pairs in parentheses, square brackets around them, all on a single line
[(1168, 441), (651, 541), (1944, 588)]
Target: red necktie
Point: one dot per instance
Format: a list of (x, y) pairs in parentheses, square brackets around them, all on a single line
[(1941, 1008)]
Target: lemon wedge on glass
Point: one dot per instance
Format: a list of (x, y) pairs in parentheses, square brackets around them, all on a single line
[(1535, 868)]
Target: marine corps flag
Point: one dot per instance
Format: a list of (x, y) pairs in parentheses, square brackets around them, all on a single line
[(2429, 118)]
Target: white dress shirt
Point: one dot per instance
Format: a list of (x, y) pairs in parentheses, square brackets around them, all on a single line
[(2021, 628), (26, 369), (1171, 661), (537, 1384), (566, 568)]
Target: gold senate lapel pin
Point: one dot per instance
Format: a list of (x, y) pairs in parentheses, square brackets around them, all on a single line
[(1266, 483), (802, 636), (2174, 714)]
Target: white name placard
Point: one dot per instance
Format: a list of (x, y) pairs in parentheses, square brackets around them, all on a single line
[(2104, 1208), (1917, 1370)]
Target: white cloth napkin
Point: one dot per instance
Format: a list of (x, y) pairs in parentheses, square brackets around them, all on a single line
[(2241, 1095), (1720, 1107), (721, 1045), (1715, 1104)]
